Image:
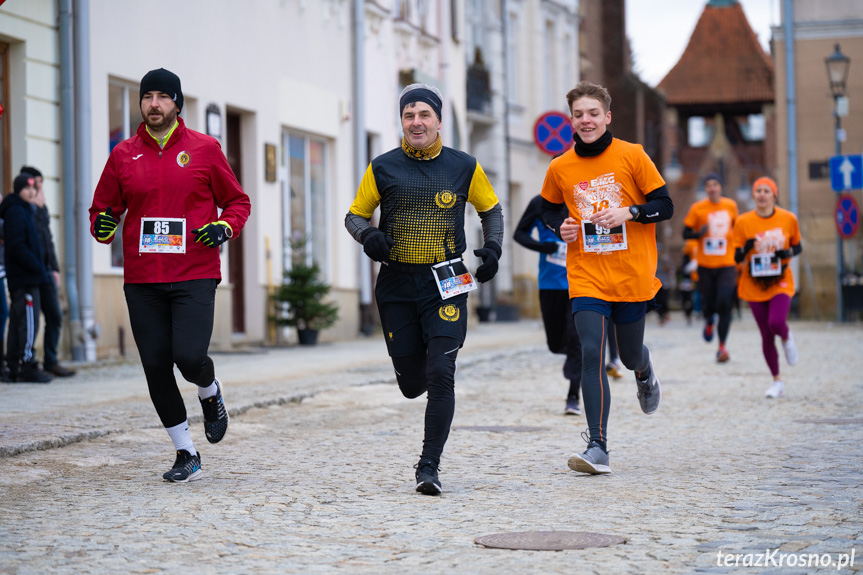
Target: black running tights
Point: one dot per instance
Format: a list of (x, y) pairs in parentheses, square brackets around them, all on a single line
[(594, 382), (172, 324), (432, 370)]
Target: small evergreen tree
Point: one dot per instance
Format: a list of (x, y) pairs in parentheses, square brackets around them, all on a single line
[(299, 300)]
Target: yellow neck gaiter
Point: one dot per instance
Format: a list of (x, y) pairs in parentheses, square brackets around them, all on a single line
[(429, 153)]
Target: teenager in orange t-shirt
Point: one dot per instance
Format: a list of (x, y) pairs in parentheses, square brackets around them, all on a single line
[(710, 221), (614, 195), (765, 240)]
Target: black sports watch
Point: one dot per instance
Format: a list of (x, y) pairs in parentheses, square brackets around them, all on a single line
[(635, 211)]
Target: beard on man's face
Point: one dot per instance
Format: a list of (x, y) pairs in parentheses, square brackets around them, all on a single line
[(159, 120)]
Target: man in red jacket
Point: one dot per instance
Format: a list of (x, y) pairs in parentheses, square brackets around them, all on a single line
[(170, 182)]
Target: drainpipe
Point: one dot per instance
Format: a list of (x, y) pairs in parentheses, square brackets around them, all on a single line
[(82, 146), (70, 264), (361, 155), (791, 98)]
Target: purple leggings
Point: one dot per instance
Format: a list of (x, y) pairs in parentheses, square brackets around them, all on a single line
[(770, 317)]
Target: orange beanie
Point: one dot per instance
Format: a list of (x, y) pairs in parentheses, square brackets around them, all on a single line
[(765, 181)]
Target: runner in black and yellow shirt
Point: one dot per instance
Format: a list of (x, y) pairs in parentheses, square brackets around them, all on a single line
[(422, 189)]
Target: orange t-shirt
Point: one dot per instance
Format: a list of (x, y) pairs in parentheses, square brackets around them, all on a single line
[(780, 231), (618, 177), (714, 247)]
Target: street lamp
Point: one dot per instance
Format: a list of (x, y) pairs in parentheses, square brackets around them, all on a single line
[(837, 73)]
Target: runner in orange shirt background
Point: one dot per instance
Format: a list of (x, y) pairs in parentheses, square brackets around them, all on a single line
[(765, 240), (614, 195), (710, 221)]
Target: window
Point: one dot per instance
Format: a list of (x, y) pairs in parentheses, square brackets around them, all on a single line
[(700, 131), (752, 127), (307, 181), (124, 117)]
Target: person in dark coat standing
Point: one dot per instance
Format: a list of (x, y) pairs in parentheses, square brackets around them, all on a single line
[(49, 295), (26, 273)]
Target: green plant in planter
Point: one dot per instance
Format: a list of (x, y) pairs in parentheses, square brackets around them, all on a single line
[(299, 300)]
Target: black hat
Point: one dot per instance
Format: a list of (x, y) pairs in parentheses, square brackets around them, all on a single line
[(31, 170), (421, 93), (22, 181), (162, 80), (712, 176)]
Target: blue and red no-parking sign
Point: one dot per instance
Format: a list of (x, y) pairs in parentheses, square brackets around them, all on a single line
[(847, 216), (553, 133)]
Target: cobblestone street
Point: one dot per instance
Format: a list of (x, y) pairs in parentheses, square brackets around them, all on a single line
[(315, 474)]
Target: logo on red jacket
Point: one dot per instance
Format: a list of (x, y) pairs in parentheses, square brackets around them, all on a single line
[(183, 158)]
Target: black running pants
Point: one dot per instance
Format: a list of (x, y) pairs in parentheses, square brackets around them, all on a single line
[(172, 324), (431, 370)]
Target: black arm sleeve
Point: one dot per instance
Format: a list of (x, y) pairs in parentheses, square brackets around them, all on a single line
[(658, 207), (552, 216), (740, 253), (532, 213), (492, 226), (690, 234)]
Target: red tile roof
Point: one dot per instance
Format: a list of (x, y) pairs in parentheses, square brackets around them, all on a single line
[(723, 63)]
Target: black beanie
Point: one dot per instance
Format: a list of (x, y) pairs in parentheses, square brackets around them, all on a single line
[(22, 181), (421, 93), (712, 176), (162, 80), (31, 170)]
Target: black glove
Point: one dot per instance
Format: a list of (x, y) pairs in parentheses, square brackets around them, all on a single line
[(377, 245), (703, 230), (105, 225), (489, 253), (214, 234), (784, 254), (548, 247)]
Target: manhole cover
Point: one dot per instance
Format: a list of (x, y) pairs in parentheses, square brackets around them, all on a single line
[(498, 428), (849, 421), (548, 540)]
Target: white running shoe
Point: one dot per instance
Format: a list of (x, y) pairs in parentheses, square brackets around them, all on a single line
[(791, 355), (776, 390)]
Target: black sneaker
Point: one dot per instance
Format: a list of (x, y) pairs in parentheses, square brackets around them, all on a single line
[(187, 467), (215, 416), (30, 373), (59, 371), (427, 478)]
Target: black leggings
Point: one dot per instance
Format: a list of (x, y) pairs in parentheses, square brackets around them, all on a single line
[(560, 334), (717, 287), (594, 382), (172, 324), (432, 370)]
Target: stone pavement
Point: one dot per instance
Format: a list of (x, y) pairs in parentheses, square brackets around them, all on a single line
[(315, 474)]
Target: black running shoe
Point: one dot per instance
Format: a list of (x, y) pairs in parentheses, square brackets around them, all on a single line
[(427, 478), (215, 416), (187, 467)]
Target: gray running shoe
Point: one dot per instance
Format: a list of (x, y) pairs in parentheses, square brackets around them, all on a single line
[(572, 407), (649, 392), (594, 460)]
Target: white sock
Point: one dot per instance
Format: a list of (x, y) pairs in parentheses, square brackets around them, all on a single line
[(209, 391), (181, 437)]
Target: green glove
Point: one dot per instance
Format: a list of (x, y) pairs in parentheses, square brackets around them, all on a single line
[(214, 234), (105, 225)]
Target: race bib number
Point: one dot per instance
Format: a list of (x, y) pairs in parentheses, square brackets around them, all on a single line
[(715, 246), (453, 278), (598, 239), (162, 236), (765, 265), (558, 258)]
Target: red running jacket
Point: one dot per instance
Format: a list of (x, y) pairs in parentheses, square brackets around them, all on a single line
[(187, 179)]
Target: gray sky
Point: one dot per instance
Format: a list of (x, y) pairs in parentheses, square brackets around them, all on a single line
[(660, 31)]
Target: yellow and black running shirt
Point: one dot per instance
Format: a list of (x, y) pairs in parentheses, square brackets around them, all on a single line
[(423, 201)]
